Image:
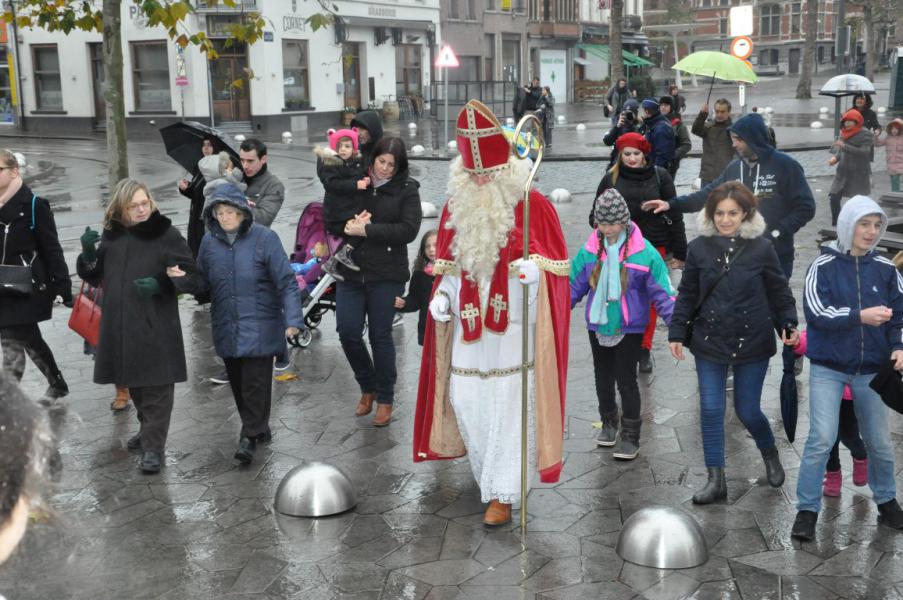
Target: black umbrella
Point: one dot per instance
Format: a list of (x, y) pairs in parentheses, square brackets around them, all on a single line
[(788, 394), (183, 143)]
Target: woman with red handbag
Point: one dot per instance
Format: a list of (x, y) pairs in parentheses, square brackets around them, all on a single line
[(33, 273), (140, 344)]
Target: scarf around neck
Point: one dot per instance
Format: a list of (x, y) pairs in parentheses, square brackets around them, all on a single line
[(608, 287)]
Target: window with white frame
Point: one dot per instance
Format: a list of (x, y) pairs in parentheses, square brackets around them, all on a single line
[(770, 22), (150, 76), (47, 83), (295, 74), (795, 18)]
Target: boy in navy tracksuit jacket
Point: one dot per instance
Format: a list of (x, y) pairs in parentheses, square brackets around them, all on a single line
[(776, 179), (854, 311)]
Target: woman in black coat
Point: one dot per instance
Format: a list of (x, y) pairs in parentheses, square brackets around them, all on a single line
[(390, 221), (733, 297), (638, 181), (29, 237), (140, 343)]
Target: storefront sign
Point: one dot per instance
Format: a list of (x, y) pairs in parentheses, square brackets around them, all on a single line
[(139, 19), (218, 25), (380, 11), (553, 72), (293, 23)]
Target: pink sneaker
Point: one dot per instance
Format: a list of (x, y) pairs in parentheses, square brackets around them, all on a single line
[(831, 486), (860, 471)]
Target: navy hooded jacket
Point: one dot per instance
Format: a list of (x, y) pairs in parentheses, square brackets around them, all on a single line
[(839, 286), (660, 135), (253, 292), (777, 180)]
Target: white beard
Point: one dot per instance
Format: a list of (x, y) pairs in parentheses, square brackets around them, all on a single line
[(483, 215)]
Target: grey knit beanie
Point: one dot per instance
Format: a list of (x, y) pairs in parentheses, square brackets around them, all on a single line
[(611, 209)]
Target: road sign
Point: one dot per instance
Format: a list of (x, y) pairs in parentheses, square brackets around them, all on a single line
[(447, 58), (742, 47), (181, 80), (741, 20)]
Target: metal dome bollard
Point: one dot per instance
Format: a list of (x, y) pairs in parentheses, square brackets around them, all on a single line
[(663, 538), (314, 489)]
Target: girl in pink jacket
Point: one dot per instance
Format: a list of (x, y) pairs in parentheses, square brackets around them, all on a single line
[(893, 148)]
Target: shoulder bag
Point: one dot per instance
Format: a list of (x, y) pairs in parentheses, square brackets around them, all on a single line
[(85, 316), (16, 280)]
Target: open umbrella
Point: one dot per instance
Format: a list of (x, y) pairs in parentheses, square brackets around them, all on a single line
[(522, 139), (717, 65), (183, 141), (839, 86), (789, 396)]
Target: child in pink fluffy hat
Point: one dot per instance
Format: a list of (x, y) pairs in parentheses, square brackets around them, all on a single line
[(848, 433), (342, 173)]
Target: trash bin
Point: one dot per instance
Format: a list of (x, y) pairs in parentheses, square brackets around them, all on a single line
[(896, 79)]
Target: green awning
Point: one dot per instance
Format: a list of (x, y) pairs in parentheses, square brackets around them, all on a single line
[(604, 52)]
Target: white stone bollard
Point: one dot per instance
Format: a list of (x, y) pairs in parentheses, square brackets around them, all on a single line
[(882, 110), (816, 125), (453, 146), (561, 119), (560, 196), (581, 127), (239, 138), (412, 125), (287, 137), (509, 122), (428, 210), (823, 109), (417, 150)]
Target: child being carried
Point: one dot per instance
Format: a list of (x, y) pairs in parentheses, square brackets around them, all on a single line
[(342, 173)]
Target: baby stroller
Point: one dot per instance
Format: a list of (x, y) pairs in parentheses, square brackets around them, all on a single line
[(321, 285)]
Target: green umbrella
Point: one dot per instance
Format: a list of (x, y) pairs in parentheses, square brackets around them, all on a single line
[(717, 65)]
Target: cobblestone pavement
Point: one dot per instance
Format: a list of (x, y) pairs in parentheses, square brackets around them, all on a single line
[(205, 528)]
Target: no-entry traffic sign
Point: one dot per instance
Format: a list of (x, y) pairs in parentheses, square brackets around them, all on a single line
[(742, 47)]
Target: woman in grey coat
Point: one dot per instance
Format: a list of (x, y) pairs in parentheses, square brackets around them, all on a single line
[(140, 343), (852, 155)]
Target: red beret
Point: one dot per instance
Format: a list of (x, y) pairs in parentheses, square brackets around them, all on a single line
[(634, 140)]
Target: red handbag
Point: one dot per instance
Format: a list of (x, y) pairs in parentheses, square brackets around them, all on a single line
[(85, 317)]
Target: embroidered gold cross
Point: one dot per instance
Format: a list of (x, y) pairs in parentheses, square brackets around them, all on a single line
[(498, 305), (470, 314)]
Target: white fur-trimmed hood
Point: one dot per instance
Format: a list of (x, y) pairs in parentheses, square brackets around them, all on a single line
[(753, 228), (330, 157)]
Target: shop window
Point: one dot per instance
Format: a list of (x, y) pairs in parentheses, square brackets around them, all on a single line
[(6, 106), (48, 87), (150, 76), (770, 23), (295, 81)]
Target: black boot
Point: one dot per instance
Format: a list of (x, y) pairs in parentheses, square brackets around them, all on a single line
[(715, 489), (804, 525), (890, 514), (245, 452), (150, 462), (774, 472), (608, 434), (646, 362), (628, 445), (56, 390)]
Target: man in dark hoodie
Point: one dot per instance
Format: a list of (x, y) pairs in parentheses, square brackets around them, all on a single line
[(658, 132), (777, 180), (369, 131)]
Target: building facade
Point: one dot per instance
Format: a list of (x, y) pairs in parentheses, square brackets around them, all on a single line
[(293, 79)]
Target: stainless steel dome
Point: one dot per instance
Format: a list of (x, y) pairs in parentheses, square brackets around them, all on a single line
[(664, 538), (314, 489)]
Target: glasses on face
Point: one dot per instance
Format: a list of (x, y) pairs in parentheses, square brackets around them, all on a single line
[(7, 167), (138, 206)]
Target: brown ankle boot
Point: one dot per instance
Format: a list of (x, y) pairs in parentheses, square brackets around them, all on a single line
[(121, 402), (365, 405), (383, 415), (497, 514)]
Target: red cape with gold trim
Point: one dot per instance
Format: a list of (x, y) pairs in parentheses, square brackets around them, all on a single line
[(436, 434)]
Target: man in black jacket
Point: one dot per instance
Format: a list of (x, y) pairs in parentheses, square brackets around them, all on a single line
[(369, 131), (627, 123), (533, 92)]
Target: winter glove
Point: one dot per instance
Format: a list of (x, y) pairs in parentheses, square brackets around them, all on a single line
[(529, 272), (89, 241), (147, 287), (439, 308)]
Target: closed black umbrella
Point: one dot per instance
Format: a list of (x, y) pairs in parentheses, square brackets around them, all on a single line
[(183, 143), (789, 396)]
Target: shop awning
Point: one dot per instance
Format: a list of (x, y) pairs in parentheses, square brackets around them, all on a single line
[(581, 61), (604, 52)]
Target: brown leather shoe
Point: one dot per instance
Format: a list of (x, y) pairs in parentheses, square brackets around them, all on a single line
[(365, 405), (383, 415), (121, 402), (498, 513)]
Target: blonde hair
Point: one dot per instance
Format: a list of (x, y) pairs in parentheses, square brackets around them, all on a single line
[(119, 201), (8, 158), (615, 170)]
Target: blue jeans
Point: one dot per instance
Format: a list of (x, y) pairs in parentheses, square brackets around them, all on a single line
[(825, 391), (375, 301), (748, 380)]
